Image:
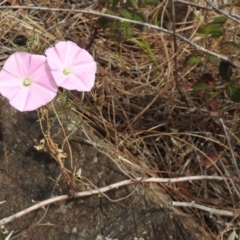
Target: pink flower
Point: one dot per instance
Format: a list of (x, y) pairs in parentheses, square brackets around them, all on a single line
[(26, 81), (72, 67)]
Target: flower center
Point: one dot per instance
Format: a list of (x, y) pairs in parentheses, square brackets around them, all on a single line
[(27, 82), (66, 71)]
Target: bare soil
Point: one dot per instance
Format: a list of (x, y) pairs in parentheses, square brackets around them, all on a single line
[(28, 176)]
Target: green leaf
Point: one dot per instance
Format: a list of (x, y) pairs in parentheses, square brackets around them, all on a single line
[(156, 18), (214, 94), (125, 29), (110, 12), (15, 45), (134, 4), (156, 21), (193, 59), (150, 2), (202, 86), (225, 71), (233, 91), (123, 25), (215, 30), (138, 17), (146, 47), (114, 2), (125, 13), (219, 20)]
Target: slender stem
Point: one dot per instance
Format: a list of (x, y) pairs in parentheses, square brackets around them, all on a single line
[(175, 47), (105, 189), (204, 208), (96, 13)]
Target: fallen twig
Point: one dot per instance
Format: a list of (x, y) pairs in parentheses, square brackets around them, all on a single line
[(207, 209), (96, 13), (105, 189)]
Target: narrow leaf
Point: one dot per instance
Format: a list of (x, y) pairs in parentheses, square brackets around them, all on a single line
[(150, 2), (202, 86), (113, 2), (134, 4), (214, 94), (125, 13), (215, 30), (225, 71), (138, 17), (146, 47), (192, 59), (233, 91), (219, 20)]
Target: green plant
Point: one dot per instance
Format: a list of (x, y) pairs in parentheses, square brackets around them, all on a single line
[(207, 83), (144, 45), (214, 28)]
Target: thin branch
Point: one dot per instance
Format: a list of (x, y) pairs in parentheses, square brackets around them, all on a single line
[(9, 235), (65, 136), (200, 48), (175, 47), (234, 162), (207, 209), (61, 22), (194, 4), (228, 15), (105, 189), (225, 13)]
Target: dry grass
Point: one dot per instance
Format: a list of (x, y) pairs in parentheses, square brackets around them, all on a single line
[(136, 114)]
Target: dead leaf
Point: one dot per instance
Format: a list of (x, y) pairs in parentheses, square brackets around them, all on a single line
[(210, 160), (186, 86), (214, 105), (16, 3)]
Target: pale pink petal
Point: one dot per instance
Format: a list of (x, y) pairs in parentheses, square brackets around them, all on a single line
[(62, 54), (12, 64), (53, 59), (86, 75), (18, 101), (82, 57), (37, 64), (67, 54), (58, 76), (71, 81), (65, 51), (82, 78), (28, 99), (73, 53), (9, 84), (42, 76), (78, 61), (20, 66)]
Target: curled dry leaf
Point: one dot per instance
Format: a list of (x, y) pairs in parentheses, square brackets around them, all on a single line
[(208, 162), (214, 105), (16, 3)]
